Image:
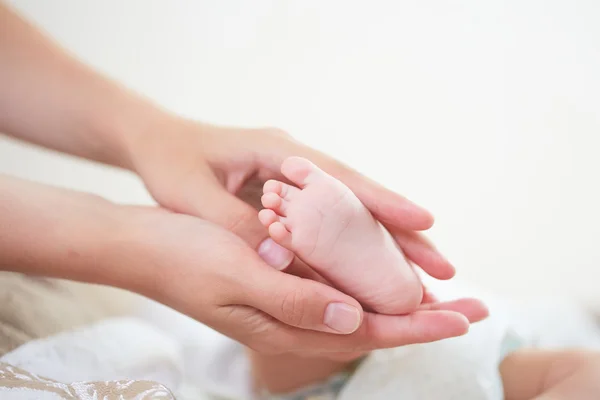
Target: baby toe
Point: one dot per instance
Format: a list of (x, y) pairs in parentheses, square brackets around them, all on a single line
[(272, 186), (280, 234), (270, 200), (275, 203), (267, 217), (287, 192)]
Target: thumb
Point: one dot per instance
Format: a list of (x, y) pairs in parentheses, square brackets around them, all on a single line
[(211, 201), (208, 199), (302, 303)]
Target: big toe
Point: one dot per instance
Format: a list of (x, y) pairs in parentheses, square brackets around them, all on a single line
[(300, 170)]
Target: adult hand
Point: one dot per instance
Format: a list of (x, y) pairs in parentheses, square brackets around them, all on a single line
[(199, 169), (212, 275), (194, 266), (50, 99)]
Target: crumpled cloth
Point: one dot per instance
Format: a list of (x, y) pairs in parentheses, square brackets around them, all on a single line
[(178, 358)]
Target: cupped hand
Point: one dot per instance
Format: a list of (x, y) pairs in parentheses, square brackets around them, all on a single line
[(213, 276), (202, 170)]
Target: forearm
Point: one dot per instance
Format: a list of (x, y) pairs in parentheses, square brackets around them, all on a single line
[(64, 234), (50, 99)]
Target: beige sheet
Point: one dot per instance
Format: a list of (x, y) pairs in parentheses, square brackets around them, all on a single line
[(18, 383), (33, 308)]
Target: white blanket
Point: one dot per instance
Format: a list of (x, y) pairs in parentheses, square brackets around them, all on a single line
[(196, 363)]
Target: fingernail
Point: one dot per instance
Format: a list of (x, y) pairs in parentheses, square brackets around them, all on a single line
[(342, 317), (273, 254)]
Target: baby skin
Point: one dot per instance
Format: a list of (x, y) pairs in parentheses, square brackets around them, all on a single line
[(325, 224)]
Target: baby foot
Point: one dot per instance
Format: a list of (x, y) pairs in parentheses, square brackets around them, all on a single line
[(327, 226)]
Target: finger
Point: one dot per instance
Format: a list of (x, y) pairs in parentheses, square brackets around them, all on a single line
[(418, 327), (219, 206), (420, 251), (473, 309), (275, 255), (396, 212), (301, 303), (387, 206), (272, 253), (265, 334), (377, 331), (210, 200), (282, 259)]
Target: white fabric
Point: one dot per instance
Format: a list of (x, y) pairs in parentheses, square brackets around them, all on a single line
[(115, 349), (467, 367), (193, 361), (109, 350), (185, 357)]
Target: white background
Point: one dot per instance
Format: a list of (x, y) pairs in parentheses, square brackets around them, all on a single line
[(487, 113)]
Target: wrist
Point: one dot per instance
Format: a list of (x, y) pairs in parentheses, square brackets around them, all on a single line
[(56, 232), (126, 252), (142, 252), (151, 137), (122, 122)]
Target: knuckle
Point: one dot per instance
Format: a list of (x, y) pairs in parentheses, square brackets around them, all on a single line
[(245, 224), (293, 307), (239, 221), (258, 331)]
